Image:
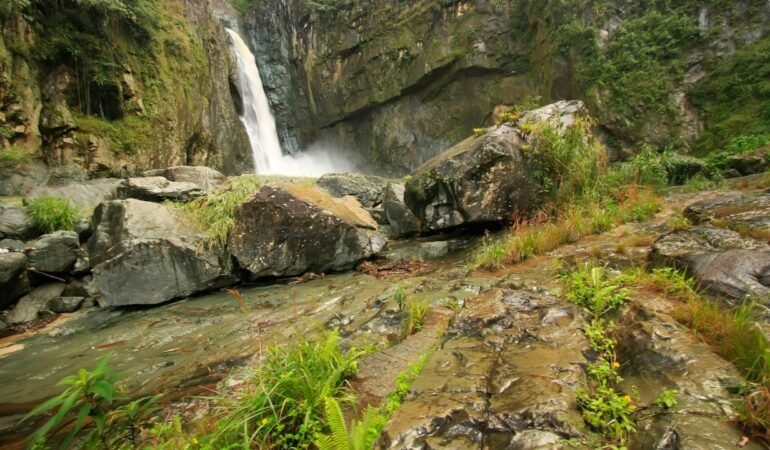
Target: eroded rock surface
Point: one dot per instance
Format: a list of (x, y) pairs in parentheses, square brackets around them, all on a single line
[(293, 229), (401, 219), (145, 253), (158, 189), (85, 195), (54, 253), (504, 378), (15, 223)]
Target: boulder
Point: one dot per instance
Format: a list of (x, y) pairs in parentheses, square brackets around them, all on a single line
[(61, 305), (145, 253), (723, 261), (402, 220), (32, 304), (481, 180), (744, 212), (206, 178), (158, 189), (15, 223), (749, 163), (289, 230), (366, 189), (54, 253), (565, 110), (13, 279), (86, 195)]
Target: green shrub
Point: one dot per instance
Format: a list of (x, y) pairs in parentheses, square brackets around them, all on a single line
[(50, 214), (92, 398)]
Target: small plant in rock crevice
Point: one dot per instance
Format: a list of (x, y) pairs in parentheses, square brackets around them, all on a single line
[(604, 408)]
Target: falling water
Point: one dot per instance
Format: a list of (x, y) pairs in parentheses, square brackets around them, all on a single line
[(260, 126)]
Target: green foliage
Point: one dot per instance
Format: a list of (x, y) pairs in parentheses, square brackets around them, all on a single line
[(286, 405), (734, 97), (591, 288), (244, 6), (570, 162), (738, 145), (667, 399), (416, 309), (362, 434), (50, 214), (607, 411), (647, 168), (14, 156), (215, 212), (400, 297), (99, 421), (598, 334)]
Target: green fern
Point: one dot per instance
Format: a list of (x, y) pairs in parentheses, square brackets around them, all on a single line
[(338, 439)]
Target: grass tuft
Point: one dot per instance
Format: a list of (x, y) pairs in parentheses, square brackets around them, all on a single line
[(215, 212), (50, 214)]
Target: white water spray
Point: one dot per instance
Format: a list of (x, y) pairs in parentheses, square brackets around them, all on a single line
[(260, 126)]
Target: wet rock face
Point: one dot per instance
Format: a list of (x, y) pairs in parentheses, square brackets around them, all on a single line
[(15, 223), (13, 279), (367, 189), (55, 253), (290, 230), (481, 180), (144, 254), (31, 305), (158, 189), (402, 220), (504, 378), (724, 261)]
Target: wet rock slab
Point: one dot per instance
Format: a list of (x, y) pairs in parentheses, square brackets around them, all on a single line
[(504, 378)]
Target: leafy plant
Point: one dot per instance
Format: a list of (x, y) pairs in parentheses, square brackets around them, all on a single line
[(416, 309), (667, 399), (400, 297), (607, 411), (93, 396), (590, 288), (50, 214)]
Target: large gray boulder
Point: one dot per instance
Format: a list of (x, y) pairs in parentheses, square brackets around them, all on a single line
[(158, 189), (86, 195), (293, 229), (56, 252), (15, 223), (13, 279), (31, 305), (367, 189), (206, 178), (480, 180), (722, 261), (145, 253), (402, 220)]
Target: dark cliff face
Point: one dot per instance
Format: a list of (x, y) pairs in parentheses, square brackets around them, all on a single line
[(398, 82), (95, 91)]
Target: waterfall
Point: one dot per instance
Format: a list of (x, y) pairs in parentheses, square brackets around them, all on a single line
[(260, 126)]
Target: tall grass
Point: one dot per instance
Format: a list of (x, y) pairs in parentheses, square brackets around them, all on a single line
[(544, 233), (51, 214), (215, 212), (284, 405)]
